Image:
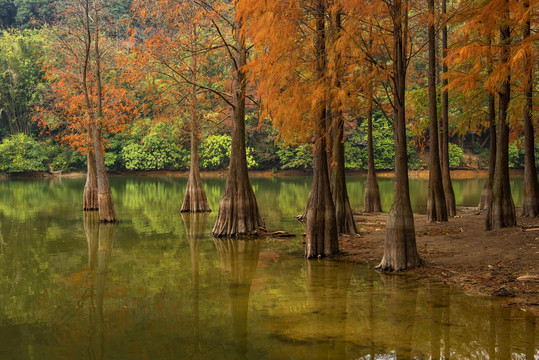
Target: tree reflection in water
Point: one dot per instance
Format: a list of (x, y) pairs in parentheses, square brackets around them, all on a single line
[(239, 260), (327, 293), (100, 237), (195, 228), (401, 302)]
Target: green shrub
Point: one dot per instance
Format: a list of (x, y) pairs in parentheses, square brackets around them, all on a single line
[(149, 147), (455, 155), (300, 157), (477, 148), (66, 159), (215, 153), (516, 154), (21, 153)]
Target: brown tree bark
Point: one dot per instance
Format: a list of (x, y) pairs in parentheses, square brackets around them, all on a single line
[(104, 196), (343, 210), (321, 226), (487, 189), (372, 190), (530, 207), (436, 205), (501, 209), (195, 197), (238, 210), (400, 251), (89, 197), (449, 194)]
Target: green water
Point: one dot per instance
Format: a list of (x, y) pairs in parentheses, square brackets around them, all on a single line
[(157, 286)]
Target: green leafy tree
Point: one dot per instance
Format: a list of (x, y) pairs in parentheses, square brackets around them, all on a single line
[(21, 153), (21, 78)]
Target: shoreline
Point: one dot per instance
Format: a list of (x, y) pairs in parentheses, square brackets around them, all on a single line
[(461, 253), (384, 174)]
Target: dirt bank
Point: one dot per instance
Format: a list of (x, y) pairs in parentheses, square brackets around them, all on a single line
[(460, 252)]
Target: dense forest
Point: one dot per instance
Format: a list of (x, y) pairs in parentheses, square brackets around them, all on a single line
[(319, 85)]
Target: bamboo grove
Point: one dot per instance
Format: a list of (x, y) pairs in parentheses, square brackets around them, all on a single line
[(307, 70)]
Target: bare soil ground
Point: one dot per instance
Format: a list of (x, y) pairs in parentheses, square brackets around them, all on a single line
[(460, 252)]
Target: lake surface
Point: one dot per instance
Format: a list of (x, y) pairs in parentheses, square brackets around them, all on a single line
[(156, 285)]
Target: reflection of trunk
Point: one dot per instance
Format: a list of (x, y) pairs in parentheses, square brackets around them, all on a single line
[(492, 331), (530, 207), (487, 190), (238, 210), (327, 291), (401, 303), (444, 134), (372, 319), (195, 227), (100, 239), (195, 196), (436, 206), (239, 259), (321, 225), (501, 209), (400, 250), (435, 324), (90, 188), (446, 320), (504, 335), (530, 336)]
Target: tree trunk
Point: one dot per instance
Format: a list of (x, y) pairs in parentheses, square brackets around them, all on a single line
[(446, 174), (487, 189), (104, 196), (89, 202), (195, 196), (400, 251), (372, 191), (501, 209), (238, 210), (530, 207), (436, 206), (321, 226), (343, 210)]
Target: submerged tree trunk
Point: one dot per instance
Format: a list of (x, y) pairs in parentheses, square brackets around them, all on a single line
[(372, 191), (501, 209), (104, 196), (89, 202), (238, 210), (449, 194), (321, 226), (436, 206), (195, 196), (400, 251), (487, 189), (530, 207)]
